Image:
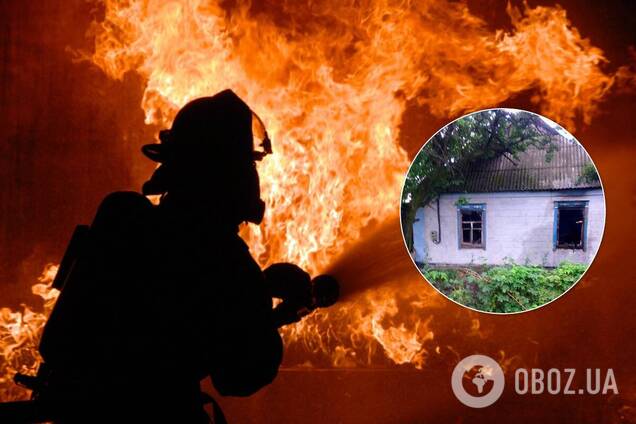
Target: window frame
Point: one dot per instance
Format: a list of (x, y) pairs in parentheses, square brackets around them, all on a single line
[(570, 204), (480, 207)]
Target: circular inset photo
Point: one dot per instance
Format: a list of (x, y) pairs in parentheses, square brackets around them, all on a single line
[(502, 211)]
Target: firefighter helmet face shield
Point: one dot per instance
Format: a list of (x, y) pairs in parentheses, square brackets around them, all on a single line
[(261, 139)]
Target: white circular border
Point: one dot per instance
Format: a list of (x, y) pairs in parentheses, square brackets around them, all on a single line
[(595, 253)]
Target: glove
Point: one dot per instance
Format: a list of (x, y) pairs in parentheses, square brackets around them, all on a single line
[(289, 282)]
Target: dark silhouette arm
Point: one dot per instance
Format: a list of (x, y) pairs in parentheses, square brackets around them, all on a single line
[(249, 349)]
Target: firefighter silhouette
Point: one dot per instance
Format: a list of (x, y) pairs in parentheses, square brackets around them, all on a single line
[(155, 298)]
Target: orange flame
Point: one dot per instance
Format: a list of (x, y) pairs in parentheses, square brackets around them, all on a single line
[(20, 336), (331, 81)]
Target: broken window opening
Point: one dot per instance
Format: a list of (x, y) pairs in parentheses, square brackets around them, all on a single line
[(471, 219), (570, 225)]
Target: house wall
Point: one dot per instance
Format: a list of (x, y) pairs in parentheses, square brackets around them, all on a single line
[(519, 226)]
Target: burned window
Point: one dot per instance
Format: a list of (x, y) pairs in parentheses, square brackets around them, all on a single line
[(472, 225), (570, 225)]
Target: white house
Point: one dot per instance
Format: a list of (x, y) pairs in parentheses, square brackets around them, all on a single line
[(527, 210)]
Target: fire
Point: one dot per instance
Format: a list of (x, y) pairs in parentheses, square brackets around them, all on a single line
[(331, 81), (20, 336)]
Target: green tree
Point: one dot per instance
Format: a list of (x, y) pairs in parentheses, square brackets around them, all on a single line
[(441, 165)]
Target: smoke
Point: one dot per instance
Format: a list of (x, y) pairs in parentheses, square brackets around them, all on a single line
[(374, 260)]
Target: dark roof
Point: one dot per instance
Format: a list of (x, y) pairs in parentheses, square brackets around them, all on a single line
[(530, 170)]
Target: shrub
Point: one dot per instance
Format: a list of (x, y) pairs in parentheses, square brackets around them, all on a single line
[(588, 174), (509, 288)]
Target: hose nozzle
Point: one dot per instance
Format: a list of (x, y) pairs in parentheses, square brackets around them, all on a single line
[(325, 291)]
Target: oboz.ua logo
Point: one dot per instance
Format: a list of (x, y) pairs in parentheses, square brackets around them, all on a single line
[(478, 381)]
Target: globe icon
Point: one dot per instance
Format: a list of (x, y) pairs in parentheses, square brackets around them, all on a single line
[(483, 376), (480, 379)]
